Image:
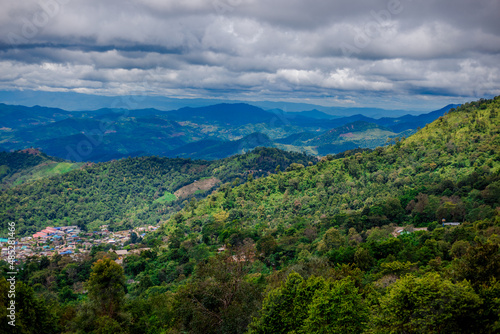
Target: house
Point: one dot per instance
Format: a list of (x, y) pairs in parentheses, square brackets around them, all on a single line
[(121, 252), (451, 224)]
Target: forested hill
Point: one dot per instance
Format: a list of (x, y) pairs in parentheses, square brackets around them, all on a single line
[(337, 221), (30, 164), (449, 169), (132, 191)]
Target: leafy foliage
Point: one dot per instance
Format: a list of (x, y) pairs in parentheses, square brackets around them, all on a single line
[(429, 304), (127, 192)]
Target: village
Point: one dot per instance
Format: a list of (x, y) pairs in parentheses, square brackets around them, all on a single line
[(70, 241)]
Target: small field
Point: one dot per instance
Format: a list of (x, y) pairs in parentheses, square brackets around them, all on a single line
[(167, 198)]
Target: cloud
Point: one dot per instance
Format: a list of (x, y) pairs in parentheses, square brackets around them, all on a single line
[(366, 52)]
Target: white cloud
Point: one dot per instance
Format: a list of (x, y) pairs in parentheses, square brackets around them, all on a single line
[(284, 49)]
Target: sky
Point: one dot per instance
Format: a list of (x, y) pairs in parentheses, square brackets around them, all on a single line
[(395, 54)]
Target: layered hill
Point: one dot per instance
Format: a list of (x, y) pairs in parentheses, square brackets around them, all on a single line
[(213, 149), (210, 132), (358, 134)]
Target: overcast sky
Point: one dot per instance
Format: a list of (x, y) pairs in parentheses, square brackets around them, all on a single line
[(410, 54)]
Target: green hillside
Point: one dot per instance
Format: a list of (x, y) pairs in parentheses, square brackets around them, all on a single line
[(338, 220), (352, 244), (127, 192), (23, 166), (453, 163)]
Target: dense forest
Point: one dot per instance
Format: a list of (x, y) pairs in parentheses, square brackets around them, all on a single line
[(128, 192), (353, 244)]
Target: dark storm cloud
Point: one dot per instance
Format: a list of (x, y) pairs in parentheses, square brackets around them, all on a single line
[(329, 51)]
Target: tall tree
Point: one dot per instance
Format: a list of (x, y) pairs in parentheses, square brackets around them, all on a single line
[(285, 309), (337, 308), (31, 314), (106, 287), (429, 304), (220, 299)]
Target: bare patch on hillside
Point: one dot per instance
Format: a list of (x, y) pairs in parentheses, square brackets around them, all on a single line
[(199, 185), (32, 151), (398, 229)]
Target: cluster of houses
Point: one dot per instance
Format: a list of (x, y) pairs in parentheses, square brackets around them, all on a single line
[(67, 240)]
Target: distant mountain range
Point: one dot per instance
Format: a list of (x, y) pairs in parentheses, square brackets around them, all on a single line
[(207, 132), (79, 101)]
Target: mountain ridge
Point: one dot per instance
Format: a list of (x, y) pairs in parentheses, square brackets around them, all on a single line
[(106, 134)]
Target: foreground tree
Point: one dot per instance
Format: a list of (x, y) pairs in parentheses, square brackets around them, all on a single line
[(221, 298), (106, 287), (480, 264), (32, 314), (285, 308), (429, 304), (337, 308), (312, 306), (102, 311)]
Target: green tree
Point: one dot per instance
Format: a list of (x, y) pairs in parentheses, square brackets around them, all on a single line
[(133, 237), (219, 299), (266, 245), (32, 314), (332, 239), (106, 287), (285, 309), (363, 258), (337, 308), (430, 304), (480, 264), (393, 210)]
